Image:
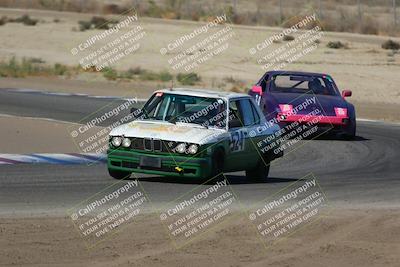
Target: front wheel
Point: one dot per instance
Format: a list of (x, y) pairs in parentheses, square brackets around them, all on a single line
[(119, 175), (260, 172)]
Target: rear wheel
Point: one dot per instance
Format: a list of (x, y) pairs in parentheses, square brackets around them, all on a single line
[(350, 134), (260, 172), (119, 174)]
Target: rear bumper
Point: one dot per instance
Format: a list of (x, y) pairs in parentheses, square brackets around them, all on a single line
[(314, 119), (171, 165)]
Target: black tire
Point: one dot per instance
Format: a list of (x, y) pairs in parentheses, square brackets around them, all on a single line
[(351, 133), (119, 175), (260, 172)]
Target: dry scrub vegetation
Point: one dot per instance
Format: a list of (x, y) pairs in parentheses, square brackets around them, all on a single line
[(38, 67), (370, 17)]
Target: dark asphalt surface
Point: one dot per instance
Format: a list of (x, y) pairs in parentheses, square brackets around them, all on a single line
[(70, 108), (363, 172)]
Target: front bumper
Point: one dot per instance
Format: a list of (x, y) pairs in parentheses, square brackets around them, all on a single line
[(171, 165), (324, 124), (314, 119)]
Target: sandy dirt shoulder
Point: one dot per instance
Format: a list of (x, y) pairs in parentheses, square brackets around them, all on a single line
[(346, 237)]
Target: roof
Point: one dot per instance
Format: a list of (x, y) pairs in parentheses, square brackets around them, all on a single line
[(203, 93), (274, 72)]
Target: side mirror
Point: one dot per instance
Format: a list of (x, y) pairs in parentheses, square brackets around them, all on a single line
[(257, 89), (346, 93)]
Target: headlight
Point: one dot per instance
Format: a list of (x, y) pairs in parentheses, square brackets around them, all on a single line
[(126, 142), (193, 149), (116, 141), (181, 148)]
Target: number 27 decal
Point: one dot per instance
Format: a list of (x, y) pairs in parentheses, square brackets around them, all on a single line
[(237, 141)]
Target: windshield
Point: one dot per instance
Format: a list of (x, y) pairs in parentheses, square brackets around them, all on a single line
[(208, 112), (302, 84)]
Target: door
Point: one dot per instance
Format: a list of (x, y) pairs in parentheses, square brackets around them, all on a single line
[(242, 120)]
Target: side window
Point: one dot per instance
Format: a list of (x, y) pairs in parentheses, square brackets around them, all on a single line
[(264, 83), (246, 108), (255, 114), (161, 109), (235, 114)]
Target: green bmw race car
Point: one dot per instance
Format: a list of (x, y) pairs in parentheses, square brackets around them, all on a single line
[(194, 134)]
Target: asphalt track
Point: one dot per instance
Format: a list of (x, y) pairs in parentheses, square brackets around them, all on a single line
[(359, 173), (60, 106)]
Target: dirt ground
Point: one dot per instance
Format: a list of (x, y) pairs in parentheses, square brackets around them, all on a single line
[(346, 237)]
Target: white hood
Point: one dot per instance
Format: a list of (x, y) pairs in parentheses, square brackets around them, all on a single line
[(179, 132)]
